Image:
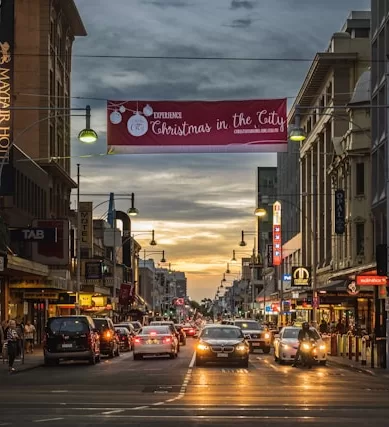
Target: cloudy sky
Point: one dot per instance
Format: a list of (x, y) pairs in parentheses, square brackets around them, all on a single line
[(197, 204)]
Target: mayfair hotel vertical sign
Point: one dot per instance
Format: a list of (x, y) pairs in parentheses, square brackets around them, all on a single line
[(277, 244), (6, 76)]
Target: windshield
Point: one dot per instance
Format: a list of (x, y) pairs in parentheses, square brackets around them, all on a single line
[(63, 325), (253, 326), (159, 330), (294, 333), (101, 324), (227, 333), (122, 331), (136, 325)]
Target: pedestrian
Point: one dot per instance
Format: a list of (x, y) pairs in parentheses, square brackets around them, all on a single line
[(12, 344), (323, 326), (29, 335)]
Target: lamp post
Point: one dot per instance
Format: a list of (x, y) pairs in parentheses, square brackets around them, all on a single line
[(163, 260)]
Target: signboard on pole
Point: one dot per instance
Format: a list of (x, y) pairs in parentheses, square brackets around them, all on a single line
[(340, 212), (301, 276), (277, 242)]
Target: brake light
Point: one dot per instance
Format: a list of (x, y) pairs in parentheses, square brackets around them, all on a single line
[(153, 334), (167, 340), (108, 334), (191, 331), (123, 338), (137, 340)]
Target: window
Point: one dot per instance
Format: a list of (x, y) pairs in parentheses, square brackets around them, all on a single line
[(360, 239), (360, 179)]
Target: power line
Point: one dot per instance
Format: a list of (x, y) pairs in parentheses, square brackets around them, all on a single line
[(200, 58)]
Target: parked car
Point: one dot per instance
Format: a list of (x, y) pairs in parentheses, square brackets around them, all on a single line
[(109, 340), (257, 335), (222, 343), (125, 338), (286, 345), (71, 338), (155, 340)]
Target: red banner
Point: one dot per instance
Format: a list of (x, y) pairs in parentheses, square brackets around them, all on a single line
[(125, 295), (139, 127)]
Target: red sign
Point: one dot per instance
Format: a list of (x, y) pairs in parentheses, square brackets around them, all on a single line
[(277, 242), (140, 127), (275, 307), (371, 280), (125, 294)]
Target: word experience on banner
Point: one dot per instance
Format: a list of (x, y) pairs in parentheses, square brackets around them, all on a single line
[(141, 127), (277, 243)]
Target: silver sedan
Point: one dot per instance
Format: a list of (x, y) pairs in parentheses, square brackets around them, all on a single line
[(155, 341)]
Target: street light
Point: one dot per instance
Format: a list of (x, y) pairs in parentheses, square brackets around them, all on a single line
[(132, 211), (260, 212), (243, 242), (87, 135)]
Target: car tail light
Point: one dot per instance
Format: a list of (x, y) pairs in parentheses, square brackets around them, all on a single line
[(137, 340), (191, 331), (167, 340), (123, 338), (108, 334)]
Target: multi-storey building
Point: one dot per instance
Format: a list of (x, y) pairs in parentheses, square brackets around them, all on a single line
[(333, 157), (37, 38)]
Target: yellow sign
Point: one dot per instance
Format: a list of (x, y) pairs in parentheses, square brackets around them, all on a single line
[(85, 300), (301, 276), (99, 301)]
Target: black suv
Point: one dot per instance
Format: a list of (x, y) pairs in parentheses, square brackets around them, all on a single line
[(109, 340), (71, 338)]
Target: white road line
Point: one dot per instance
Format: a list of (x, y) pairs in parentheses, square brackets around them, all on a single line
[(59, 391), (141, 407), (47, 420), (192, 362), (116, 411)]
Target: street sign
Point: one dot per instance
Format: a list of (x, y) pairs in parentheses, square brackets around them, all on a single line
[(340, 212), (45, 235), (301, 276), (287, 277)]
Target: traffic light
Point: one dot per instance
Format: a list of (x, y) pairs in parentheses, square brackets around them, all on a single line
[(381, 256)]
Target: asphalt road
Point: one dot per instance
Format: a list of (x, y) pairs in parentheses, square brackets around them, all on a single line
[(166, 392)]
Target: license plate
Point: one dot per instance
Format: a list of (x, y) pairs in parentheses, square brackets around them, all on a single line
[(256, 344), (222, 355), (152, 342), (67, 345)]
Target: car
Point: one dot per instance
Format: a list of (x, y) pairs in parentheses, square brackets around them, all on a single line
[(286, 345), (155, 340), (71, 338), (224, 343), (171, 325), (136, 325), (109, 341), (257, 335), (125, 338), (190, 330)]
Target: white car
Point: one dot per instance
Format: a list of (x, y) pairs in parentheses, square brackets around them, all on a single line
[(286, 345), (155, 341)]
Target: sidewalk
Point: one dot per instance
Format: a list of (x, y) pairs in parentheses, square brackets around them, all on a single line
[(31, 361), (345, 362)]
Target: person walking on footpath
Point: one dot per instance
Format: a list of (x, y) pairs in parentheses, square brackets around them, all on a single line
[(29, 334), (12, 344)]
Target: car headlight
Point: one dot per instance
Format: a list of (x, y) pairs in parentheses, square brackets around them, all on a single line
[(241, 347), (322, 347), (306, 346), (202, 347), (267, 336)]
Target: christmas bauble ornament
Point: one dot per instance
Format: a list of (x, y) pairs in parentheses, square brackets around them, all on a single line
[(137, 125), (115, 117), (122, 109), (148, 111)]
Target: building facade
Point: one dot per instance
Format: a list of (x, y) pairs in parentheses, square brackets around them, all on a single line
[(334, 158), (34, 103)]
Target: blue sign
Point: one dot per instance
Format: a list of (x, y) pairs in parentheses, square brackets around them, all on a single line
[(287, 278), (268, 309)]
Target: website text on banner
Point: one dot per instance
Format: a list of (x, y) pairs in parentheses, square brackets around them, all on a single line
[(139, 127)]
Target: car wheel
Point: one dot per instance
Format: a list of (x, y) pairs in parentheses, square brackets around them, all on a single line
[(172, 355), (276, 359), (117, 353), (323, 362), (50, 362), (111, 353), (266, 350), (92, 360), (178, 348), (137, 356), (98, 358)]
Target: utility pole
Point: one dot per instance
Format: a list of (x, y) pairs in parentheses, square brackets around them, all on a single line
[(314, 252), (78, 278)]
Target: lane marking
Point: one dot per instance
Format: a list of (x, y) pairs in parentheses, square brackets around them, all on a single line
[(47, 420), (141, 407), (116, 411), (192, 362), (59, 391)]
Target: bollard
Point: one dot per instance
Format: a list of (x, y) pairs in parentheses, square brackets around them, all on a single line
[(339, 344), (345, 345), (363, 352), (357, 349), (350, 347), (334, 346), (372, 349)]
